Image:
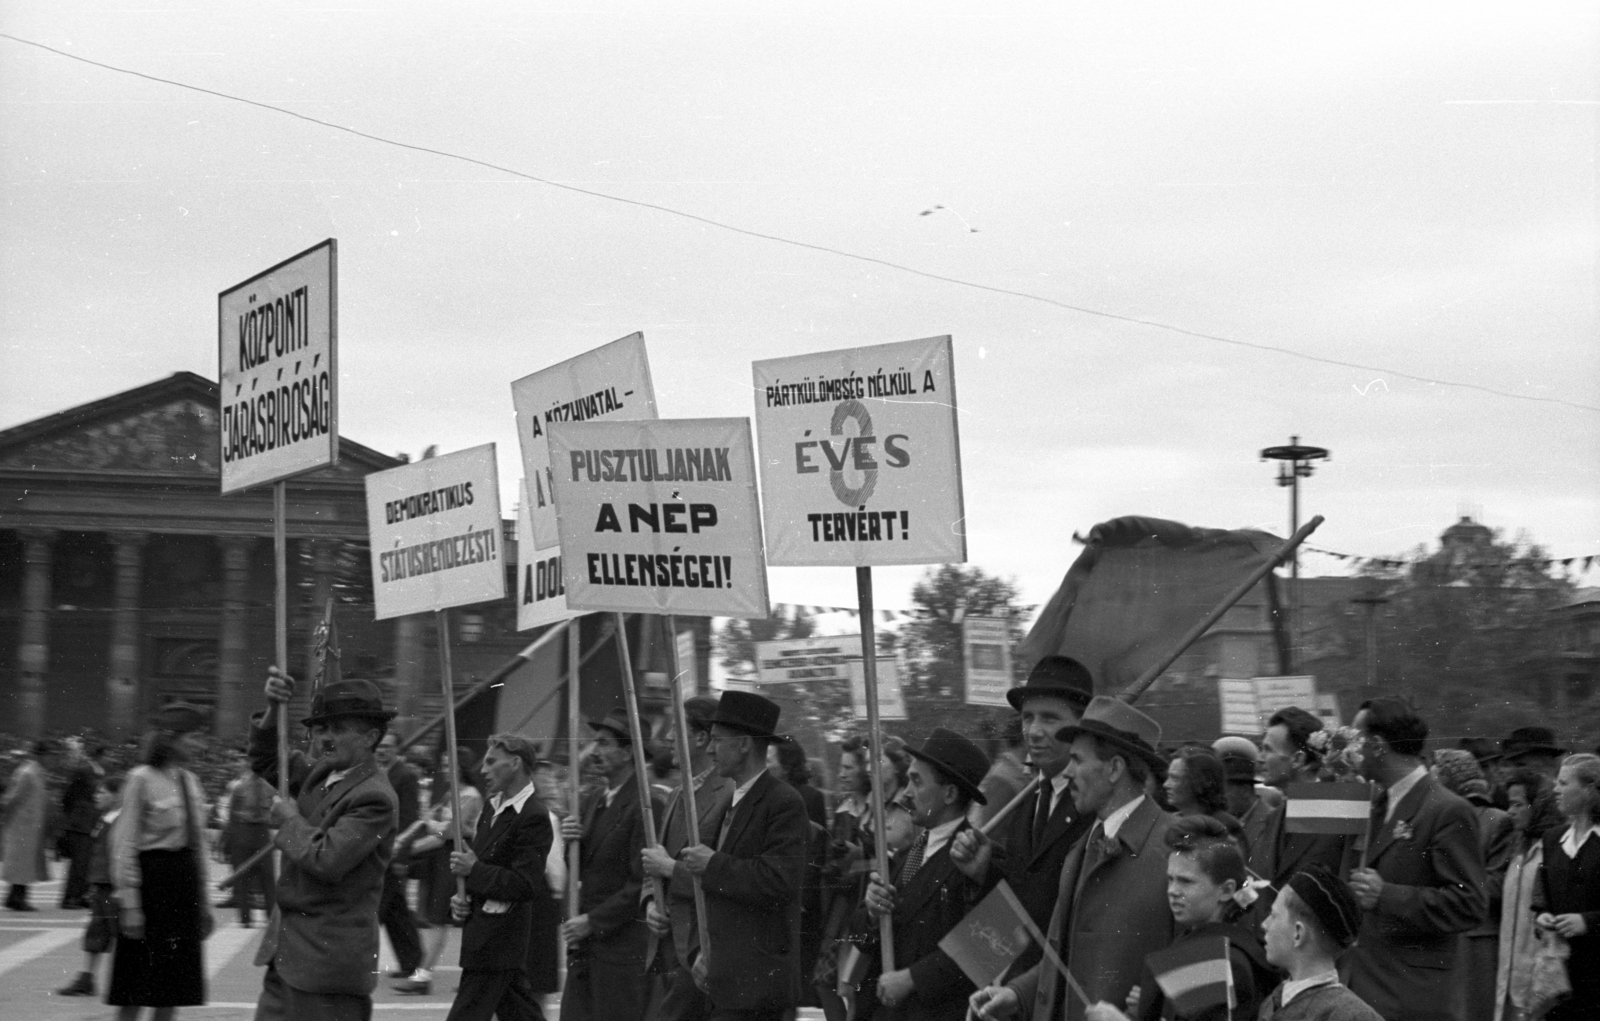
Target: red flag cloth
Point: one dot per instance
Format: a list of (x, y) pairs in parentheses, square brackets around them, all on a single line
[(1342, 807), (1194, 975), (1138, 586), (992, 936)]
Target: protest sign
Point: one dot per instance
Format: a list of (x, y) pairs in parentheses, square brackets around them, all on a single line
[(541, 596), (435, 528), (804, 660), (659, 517), (891, 703), (609, 382), (860, 459), (276, 360), (986, 642)]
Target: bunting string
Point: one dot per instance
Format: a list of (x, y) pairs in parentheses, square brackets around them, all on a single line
[(1582, 564)]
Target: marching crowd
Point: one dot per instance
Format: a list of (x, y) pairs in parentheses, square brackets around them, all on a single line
[(1470, 890)]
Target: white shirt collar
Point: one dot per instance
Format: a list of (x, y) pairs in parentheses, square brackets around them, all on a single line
[(740, 791), (334, 778), (1058, 788), (1291, 988), (1572, 842), (515, 802), (940, 835), (1113, 822), (1401, 788)]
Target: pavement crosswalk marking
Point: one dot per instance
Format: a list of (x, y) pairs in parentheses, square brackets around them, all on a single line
[(38, 945), (224, 945)]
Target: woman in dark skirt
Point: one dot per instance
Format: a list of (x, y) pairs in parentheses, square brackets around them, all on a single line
[(1569, 882), (159, 868)]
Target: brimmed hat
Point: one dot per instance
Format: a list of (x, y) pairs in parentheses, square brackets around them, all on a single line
[(352, 697), (179, 717), (1329, 901), (748, 712), (616, 721), (1058, 677), (962, 762), (1120, 724), (1238, 755), (1530, 741)]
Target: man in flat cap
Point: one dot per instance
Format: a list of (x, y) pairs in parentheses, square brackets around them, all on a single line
[(930, 895), (682, 999), (1314, 919), (335, 830), (752, 874), (606, 940)]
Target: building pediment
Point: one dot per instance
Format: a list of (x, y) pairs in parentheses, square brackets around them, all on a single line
[(166, 427)]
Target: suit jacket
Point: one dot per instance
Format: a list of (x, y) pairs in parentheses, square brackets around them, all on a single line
[(1107, 918), (78, 814), (1034, 871), (1276, 854), (1433, 874), (407, 792), (711, 800), (752, 886), (511, 850), (609, 865), (324, 936), (938, 897)]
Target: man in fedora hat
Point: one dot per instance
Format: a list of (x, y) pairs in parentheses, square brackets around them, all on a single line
[(335, 832), (1111, 909), (606, 940), (752, 874), (1031, 845), (1532, 746), (930, 895)]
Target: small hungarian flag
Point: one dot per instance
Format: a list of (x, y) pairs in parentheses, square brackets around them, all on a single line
[(1341, 807), (990, 939), (1195, 975)]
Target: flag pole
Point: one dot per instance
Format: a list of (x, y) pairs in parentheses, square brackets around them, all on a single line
[(450, 757), (1010, 806), (1132, 692), (691, 813), (641, 772), (574, 753), (280, 558), (869, 677)]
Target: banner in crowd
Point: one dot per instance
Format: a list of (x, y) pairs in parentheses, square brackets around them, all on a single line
[(986, 646), (861, 462), (1139, 585), (805, 660), (276, 359), (435, 532), (891, 701), (659, 517), (541, 595), (610, 382)]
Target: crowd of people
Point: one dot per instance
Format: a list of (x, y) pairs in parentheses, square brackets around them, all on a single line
[(1468, 888)]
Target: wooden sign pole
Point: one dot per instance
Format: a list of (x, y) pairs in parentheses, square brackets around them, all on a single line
[(869, 677)]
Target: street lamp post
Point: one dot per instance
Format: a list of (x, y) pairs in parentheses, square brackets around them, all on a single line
[(1295, 464)]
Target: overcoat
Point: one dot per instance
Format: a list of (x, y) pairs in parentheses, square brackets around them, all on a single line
[(324, 937), (1434, 889), (511, 852), (752, 885), (23, 809), (1033, 867), (1108, 917)]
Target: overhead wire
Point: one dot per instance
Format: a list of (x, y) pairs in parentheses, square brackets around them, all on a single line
[(808, 245)]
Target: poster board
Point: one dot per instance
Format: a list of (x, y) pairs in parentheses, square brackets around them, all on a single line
[(277, 363), (541, 595), (860, 456), (891, 701), (659, 517), (805, 660), (610, 382), (435, 528), (986, 648)]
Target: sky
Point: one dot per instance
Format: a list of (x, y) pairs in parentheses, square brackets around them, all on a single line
[(1409, 188)]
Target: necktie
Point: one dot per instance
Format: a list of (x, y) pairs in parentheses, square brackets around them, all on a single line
[(1380, 807), (1095, 850), (1041, 817), (908, 871)]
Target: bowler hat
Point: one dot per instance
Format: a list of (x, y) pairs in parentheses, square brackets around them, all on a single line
[(748, 712), (179, 717), (616, 721), (349, 697), (1530, 741), (962, 762), (1058, 677), (1121, 725)]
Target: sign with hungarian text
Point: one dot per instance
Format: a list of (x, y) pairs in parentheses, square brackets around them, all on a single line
[(860, 460), (541, 596), (435, 530), (986, 649), (659, 517), (610, 382), (277, 345)]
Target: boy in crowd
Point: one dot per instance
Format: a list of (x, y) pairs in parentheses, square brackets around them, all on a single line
[(101, 933)]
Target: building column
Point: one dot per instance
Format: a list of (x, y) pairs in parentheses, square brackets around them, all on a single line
[(33, 651), (233, 644), (122, 685)]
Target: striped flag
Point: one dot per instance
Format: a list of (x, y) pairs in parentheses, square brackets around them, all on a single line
[(1195, 975), (1341, 807)]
